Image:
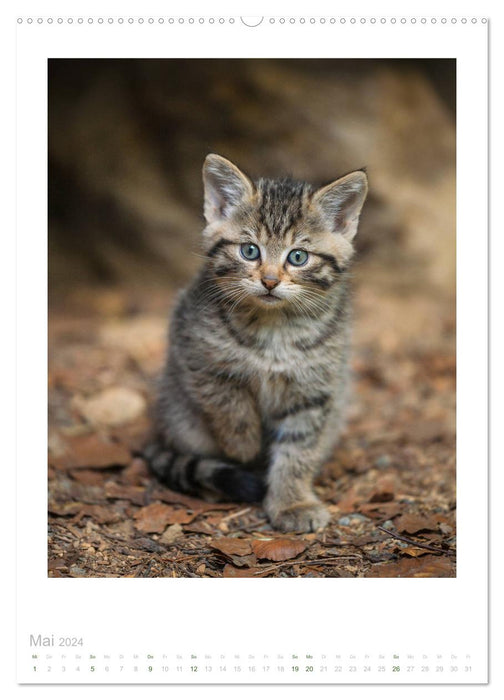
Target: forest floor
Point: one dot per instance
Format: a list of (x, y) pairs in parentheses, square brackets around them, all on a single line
[(390, 487)]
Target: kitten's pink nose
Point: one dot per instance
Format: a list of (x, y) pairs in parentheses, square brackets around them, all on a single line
[(270, 282)]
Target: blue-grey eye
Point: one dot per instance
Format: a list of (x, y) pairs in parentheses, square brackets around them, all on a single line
[(249, 251), (297, 257)]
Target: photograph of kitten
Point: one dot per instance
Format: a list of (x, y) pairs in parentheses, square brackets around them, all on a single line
[(251, 349), (253, 395)]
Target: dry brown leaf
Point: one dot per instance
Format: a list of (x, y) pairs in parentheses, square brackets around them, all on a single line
[(233, 572), (86, 493), (232, 545), (161, 493), (359, 541), (380, 510), (135, 494), (153, 518), (430, 566), (278, 549), (135, 473), (384, 490), (135, 435), (182, 516), (57, 563), (201, 527), (248, 560), (414, 551), (90, 477), (412, 522), (433, 538), (100, 514), (156, 516), (62, 509), (92, 450), (348, 502), (85, 367)]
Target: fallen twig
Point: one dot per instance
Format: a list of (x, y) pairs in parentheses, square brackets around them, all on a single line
[(429, 547), (250, 528), (309, 561), (235, 515)]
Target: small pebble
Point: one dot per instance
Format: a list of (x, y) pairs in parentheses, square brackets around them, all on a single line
[(347, 519), (374, 556), (388, 524), (358, 516), (382, 462)]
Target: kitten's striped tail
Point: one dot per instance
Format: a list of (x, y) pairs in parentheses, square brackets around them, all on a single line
[(195, 475)]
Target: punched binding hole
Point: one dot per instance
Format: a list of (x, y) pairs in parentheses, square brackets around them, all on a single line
[(251, 21)]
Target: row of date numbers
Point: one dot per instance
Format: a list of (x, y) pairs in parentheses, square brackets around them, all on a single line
[(263, 669)]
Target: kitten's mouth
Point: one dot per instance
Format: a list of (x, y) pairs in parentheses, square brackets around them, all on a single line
[(269, 298)]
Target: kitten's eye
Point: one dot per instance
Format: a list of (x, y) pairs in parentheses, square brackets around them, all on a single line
[(297, 257), (249, 251)]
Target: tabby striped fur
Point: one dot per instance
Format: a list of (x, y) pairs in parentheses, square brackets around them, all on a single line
[(252, 398)]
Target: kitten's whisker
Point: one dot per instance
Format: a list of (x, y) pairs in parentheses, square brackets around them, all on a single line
[(229, 295), (203, 256), (309, 307), (238, 298), (303, 310), (315, 301)]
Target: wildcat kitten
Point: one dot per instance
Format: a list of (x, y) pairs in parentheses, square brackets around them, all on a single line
[(252, 397)]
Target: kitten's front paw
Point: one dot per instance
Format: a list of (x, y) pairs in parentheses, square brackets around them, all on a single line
[(303, 517)]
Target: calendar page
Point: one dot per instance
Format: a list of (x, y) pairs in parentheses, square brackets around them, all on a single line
[(255, 249)]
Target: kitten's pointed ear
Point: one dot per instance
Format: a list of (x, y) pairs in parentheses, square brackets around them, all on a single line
[(225, 187), (341, 202)]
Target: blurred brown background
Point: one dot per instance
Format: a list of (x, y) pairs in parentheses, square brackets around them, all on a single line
[(127, 140)]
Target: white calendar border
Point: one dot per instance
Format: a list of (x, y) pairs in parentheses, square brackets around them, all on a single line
[(471, 337)]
